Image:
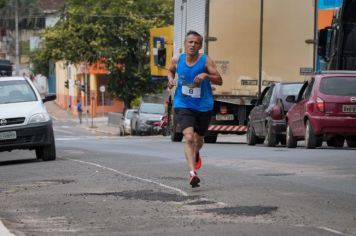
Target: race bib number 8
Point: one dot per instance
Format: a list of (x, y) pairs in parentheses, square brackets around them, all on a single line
[(191, 91)]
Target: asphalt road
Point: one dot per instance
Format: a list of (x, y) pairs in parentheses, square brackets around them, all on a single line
[(109, 185)]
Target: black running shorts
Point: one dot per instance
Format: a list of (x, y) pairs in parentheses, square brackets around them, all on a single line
[(191, 118)]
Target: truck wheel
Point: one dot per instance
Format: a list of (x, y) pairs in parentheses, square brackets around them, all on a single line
[(351, 143), (337, 142), (210, 138), (310, 137), (47, 153), (291, 141), (251, 137), (271, 138), (281, 139), (176, 137)]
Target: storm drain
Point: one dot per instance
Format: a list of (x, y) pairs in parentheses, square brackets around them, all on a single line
[(276, 174), (250, 211), (147, 195)]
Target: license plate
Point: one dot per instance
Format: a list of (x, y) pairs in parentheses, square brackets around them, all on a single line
[(224, 117), (8, 135), (349, 108)]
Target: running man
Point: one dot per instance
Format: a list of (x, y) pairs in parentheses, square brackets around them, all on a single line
[(193, 99)]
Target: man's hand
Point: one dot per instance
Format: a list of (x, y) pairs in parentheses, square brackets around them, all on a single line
[(199, 78), (171, 83)]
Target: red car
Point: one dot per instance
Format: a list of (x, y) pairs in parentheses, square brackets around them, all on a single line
[(324, 110)]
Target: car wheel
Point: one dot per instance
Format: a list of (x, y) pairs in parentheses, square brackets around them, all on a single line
[(176, 137), (47, 153), (310, 137), (271, 137), (291, 141), (351, 143), (211, 138), (251, 137)]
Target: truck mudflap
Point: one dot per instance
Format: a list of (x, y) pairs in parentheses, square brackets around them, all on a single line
[(228, 129)]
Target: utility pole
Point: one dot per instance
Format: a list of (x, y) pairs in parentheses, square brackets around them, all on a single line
[(17, 53), (260, 52), (86, 89)]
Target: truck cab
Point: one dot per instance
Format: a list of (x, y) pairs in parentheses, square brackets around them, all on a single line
[(336, 46)]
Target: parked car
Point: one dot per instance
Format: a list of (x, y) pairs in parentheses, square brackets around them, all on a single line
[(24, 120), (145, 118), (126, 121), (267, 118), (324, 110)]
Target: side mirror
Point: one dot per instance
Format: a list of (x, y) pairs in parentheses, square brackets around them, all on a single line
[(254, 101), (49, 97), (323, 43), (161, 57), (290, 99)]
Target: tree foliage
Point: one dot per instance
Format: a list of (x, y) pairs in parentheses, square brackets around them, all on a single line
[(116, 31)]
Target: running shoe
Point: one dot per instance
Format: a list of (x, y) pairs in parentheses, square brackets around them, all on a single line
[(194, 181), (198, 161)]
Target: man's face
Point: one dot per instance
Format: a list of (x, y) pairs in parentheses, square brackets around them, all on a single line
[(192, 44)]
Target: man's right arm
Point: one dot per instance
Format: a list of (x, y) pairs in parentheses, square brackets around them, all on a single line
[(171, 73)]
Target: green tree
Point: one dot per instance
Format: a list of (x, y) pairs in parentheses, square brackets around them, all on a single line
[(117, 31)]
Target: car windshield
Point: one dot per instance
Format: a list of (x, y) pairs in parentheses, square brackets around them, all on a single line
[(152, 108), (16, 91), (291, 89), (342, 86)]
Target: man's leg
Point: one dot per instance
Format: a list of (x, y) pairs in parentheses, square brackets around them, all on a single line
[(189, 147), (198, 142)]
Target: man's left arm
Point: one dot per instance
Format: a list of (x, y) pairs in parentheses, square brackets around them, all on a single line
[(212, 73)]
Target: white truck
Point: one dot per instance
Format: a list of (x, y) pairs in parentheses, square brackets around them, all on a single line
[(253, 43)]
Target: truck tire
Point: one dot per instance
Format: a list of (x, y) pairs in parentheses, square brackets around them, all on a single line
[(271, 137), (337, 142), (291, 141), (47, 153), (351, 143), (211, 138), (176, 137), (251, 138)]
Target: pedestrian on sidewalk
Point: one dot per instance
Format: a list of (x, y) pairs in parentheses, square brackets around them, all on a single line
[(80, 111), (193, 98)]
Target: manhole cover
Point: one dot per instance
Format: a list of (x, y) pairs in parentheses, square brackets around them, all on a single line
[(276, 174), (250, 211), (147, 195)]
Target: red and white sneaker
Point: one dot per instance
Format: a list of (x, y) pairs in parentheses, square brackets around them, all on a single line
[(194, 180), (198, 161)]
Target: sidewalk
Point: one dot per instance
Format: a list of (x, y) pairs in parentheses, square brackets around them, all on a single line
[(100, 124)]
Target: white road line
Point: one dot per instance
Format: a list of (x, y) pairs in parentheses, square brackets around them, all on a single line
[(4, 231), (333, 231), (325, 229), (132, 176)]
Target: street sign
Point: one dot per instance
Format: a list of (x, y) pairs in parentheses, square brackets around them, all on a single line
[(306, 71), (102, 88)]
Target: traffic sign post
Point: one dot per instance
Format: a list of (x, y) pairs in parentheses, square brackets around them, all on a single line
[(102, 90)]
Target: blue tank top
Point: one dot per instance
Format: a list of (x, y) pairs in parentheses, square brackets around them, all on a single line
[(188, 96)]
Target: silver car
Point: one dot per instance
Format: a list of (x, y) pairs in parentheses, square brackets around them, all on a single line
[(126, 120), (146, 117)]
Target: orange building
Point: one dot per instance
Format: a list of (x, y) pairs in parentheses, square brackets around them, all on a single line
[(97, 102)]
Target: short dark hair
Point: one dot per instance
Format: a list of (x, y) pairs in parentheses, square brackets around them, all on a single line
[(196, 34)]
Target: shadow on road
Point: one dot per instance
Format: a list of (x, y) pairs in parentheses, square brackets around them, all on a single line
[(18, 162)]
